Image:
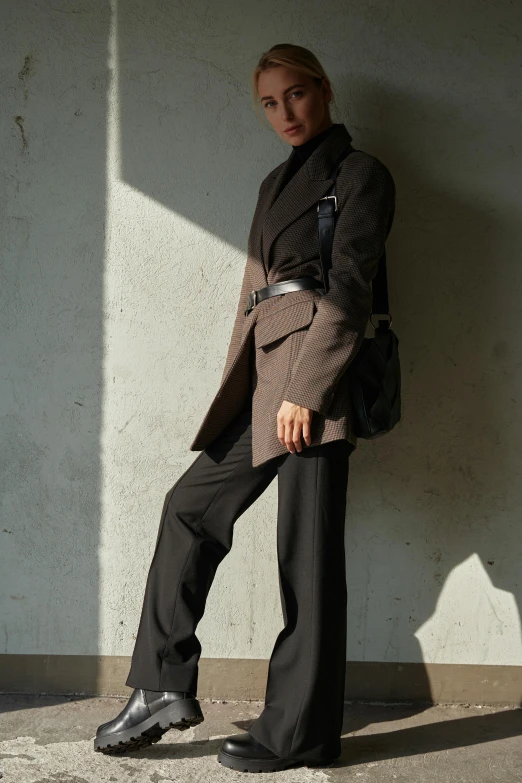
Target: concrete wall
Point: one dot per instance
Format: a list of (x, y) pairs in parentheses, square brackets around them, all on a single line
[(120, 268)]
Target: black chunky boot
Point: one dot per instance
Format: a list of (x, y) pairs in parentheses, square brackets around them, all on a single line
[(145, 719), (244, 754)]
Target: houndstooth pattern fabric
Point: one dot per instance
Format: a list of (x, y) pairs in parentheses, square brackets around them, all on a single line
[(297, 346)]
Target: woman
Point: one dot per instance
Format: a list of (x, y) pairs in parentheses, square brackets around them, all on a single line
[(282, 409)]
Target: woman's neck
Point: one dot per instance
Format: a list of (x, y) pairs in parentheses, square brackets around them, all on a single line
[(303, 151)]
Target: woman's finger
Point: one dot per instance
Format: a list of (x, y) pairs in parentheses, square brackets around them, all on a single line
[(289, 442), (307, 437), (296, 434)]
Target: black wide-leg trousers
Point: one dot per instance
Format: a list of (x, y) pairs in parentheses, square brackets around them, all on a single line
[(303, 712)]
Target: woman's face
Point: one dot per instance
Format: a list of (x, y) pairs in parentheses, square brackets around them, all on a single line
[(291, 98)]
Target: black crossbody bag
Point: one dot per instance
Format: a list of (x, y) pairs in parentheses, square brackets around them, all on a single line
[(374, 373)]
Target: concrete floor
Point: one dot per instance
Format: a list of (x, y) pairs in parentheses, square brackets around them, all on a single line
[(48, 739)]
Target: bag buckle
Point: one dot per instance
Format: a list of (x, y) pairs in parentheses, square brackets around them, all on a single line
[(324, 199)]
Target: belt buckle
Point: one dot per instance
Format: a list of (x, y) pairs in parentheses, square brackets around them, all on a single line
[(251, 301), (326, 197)]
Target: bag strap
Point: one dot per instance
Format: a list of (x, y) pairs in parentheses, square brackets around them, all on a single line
[(326, 220)]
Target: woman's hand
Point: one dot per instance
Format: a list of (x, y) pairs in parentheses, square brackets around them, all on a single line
[(292, 420)]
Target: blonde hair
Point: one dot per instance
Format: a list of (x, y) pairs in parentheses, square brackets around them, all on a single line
[(292, 56)]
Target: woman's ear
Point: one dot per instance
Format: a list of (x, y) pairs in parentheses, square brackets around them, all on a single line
[(325, 87)]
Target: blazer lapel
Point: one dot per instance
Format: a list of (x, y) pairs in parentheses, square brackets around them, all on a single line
[(270, 190), (258, 274), (279, 207)]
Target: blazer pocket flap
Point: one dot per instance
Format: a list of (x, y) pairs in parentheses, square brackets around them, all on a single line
[(282, 322)]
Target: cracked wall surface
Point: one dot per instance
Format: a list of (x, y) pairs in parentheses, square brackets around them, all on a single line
[(130, 168)]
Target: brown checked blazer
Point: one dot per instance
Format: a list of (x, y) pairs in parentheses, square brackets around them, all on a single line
[(303, 341)]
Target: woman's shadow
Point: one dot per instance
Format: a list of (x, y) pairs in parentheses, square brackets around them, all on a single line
[(433, 541)]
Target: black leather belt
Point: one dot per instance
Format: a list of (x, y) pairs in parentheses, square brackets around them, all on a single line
[(283, 287)]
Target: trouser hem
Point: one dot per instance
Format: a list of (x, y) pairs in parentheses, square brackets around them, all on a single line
[(173, 678), (314, 756)]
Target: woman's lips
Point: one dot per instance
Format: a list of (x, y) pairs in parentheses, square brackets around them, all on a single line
[(293, 130)]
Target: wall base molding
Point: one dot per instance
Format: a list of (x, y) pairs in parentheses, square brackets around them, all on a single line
[(243, 679)]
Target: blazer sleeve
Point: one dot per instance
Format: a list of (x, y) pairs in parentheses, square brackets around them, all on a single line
[(339, 325)]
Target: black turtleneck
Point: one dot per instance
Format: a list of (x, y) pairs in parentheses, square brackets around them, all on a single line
[(303, 151)]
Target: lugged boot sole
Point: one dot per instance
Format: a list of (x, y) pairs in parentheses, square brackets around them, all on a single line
[(254, 765), (181, 714), (265, 765)]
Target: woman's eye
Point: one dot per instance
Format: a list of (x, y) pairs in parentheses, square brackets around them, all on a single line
[(296, 92)]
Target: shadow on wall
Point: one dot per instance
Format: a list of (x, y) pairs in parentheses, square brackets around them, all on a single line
[(437, 501)]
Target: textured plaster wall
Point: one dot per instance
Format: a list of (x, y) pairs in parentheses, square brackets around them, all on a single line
[(131, 160)]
